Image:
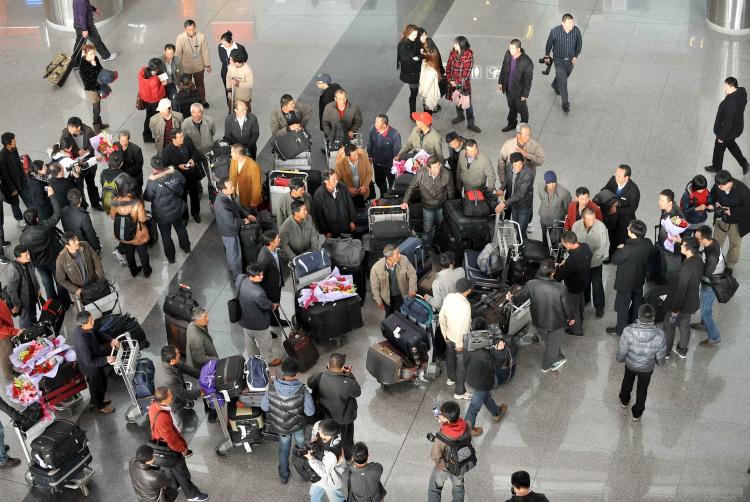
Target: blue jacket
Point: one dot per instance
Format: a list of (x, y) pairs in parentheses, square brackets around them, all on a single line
[(91, 353), (382, 149), (164, 191)]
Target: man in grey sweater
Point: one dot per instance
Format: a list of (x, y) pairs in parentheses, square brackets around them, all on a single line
[(642, 346), (554, 201), (593, 232), (445, 281), (297, 191), (298, 233)]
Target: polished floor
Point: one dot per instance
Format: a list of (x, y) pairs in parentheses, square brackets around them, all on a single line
[(644, 92)]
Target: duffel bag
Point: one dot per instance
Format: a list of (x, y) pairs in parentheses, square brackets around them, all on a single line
[(302, 465), (291, 144), (95, 291), (345, 251), (180, 304), (143, 378), (475, 204), (417, 310)]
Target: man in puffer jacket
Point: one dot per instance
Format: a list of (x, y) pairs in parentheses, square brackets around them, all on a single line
[(642, 345), (164, 191)]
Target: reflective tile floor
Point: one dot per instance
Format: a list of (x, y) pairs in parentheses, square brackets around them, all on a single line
[(644, 92)]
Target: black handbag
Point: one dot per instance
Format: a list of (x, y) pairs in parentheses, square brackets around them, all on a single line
[(164, 456), (94, 291), (724, 284), (234, 308)]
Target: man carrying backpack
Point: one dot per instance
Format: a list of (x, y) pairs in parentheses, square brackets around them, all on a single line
[(131, 228), (287, 404), (452, 453), (114, 179), (362, 478)]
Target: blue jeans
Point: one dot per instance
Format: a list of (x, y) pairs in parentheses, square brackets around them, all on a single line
[(234, 254), (285, 446), (431, 218), (708, 297), (521, 215), (318, 494), (479, 398), (3, 455)]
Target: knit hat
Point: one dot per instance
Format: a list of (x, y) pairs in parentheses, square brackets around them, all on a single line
[(463, 285), (516, 157), (323, 77), (550, 177)]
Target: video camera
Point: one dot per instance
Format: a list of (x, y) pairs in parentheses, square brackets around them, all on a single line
[(720, 212), (80, 165), (546, 60), (484, 338)]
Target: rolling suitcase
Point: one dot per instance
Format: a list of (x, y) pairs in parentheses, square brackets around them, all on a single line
[(406, 336), (176, 332), (180, 304), (424, 286), (251, 240), (413, 248), (53, 312), (474, 274), (328, 321), (65, 391), (230, 376), (66, 372), (278, 186), (655, 297), (359, 277), (385, 363), (52, 478), (60, 441), (301, 346)]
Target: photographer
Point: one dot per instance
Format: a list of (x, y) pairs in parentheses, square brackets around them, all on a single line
[(60, 184), (80, 134), (327, 443), (481, 378), (454, 434), (732, 213)]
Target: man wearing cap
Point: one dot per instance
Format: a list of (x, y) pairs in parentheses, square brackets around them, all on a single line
[(384, 143), (455, 322), (163, 124), (422, 137), (516, 191), (475, 170), (392, 278), (555, 200), (327, 92)]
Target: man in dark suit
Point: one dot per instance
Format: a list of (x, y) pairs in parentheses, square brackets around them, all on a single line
[(229, 218), (728, 126), (80, 134), (92, 353), (683, 298), (242, 127), (515, 83), (621, 211), (132, 158), (631, 258), (273, 279)]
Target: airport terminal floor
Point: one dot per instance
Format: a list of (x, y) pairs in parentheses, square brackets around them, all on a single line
[(644, 92)]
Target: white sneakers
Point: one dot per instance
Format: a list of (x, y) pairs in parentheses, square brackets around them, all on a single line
[(466, 395), (450, 382), (120, 257), (112, 57)]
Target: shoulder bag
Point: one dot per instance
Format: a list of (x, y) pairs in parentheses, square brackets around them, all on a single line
[(234, 308), (724, 284)]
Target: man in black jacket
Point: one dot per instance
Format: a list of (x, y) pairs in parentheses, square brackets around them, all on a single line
[(60, 183), (549, 312), (333, 207), (77, 220), (241, 127), (13, 182), (273, 277), (515, 82), (574, 272), (714, 264), (732, 209), (622, 210), (683, 298), (335, 391), (164, 190), (230, 217), (518, 192), (480, 379), (456, 145), (80, 134), (182, 154), (521, 489), (728, 126), (170, 372), (631, 258), (38, 182), (22, 287), (150, 483), (132, 158), (327, 92), (92, 353), (669, 259)]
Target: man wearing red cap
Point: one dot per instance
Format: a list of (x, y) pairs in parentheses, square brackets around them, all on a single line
[(422, 137)]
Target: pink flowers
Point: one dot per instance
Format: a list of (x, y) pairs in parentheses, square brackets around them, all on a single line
[(103, 145), (23, 391)]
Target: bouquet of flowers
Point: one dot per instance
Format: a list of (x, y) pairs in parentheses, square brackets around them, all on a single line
[(103, 145), (674, 226), (411, 165), (25, 354), (332, 288), (23, 391)]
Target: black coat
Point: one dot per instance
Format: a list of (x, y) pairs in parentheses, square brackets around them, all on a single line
[(89, 74), (337, 394), (480, 368), (273, 279), (132, 162), (228, 215), (175, 156), (164, 191), (738, 200), (333, 215), (87, 132), (627, 202), (247, 136), (78, 221), (684, 290), (327, 96), (224, 58), (632, 263), (12, 178), (149, 481), (410, 68), (520, 86), (730, 122), (574, 271), (549, 306), (39, 197), (42, 240), (61, 187)]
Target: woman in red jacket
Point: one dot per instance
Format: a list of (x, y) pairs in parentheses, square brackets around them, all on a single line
[(150, 91), (458, 75)]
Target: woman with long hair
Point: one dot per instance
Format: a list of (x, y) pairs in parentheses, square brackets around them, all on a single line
[(409, 62), (151, 91), (429, 45), (89, 69), (458, 74), (429, 82)]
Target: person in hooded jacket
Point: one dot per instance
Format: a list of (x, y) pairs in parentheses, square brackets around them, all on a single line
[(326, 442), (409, 63), (452, 428), (729, 125), (288, 404), (164, 190)]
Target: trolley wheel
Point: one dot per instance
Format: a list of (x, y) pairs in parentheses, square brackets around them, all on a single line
[(85, 490), (28, 478), (220, 453)]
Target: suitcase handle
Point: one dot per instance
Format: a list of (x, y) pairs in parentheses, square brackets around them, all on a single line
[(278, 319)]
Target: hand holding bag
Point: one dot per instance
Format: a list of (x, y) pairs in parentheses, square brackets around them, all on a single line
[(460, 99), (234, 308), (724, 284), (139, 104)]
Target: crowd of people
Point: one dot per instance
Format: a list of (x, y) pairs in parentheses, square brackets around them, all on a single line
[(594, 232)]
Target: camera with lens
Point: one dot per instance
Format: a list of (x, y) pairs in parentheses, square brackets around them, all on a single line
[(546, 60), (478, 339), (720, 212), (430, 437), (81, 165)]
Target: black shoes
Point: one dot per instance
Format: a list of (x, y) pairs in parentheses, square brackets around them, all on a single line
[(566, 108), (147, 272), (4, 260), (10, 462), (206, 105), (681, 353), (611, 330), (197, 218), (6, 244), (712, 169), (98, 207), (600, 314), (135, 271), (187, 249), (745, 169), (472, 127), (509, 127)]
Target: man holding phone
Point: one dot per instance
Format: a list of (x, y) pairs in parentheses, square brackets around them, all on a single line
[(335, 392)]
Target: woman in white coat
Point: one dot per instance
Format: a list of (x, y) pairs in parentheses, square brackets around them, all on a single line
[(429, 82)]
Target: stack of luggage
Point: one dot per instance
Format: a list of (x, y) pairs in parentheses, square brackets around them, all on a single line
[(459, 232), (100, 298), (59, 453), (115, 325), (494, 309), (278, 185), (292, 151), (178, 313), (387, 225), (217, 167)]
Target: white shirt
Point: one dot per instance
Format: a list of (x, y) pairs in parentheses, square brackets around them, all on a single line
[(241, 121), (455, 318), (229, 51)]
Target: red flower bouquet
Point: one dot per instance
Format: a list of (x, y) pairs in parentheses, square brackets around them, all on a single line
[(23, 391)]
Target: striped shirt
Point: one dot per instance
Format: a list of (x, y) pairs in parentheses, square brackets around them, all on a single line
[(564, 45)]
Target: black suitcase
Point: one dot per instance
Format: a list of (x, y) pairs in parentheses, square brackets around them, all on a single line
[(230, 375), (60, 441), (385, 363), (66, 372), (95, 291), (50, 478), (360, 280), (654, 298), (250, 242), (459, 232), (176, 332), (291, 144), (245, 424), (406, 336), (400, 184), (535, 251), (153, 230), (38, 330), (328, 321), (180, 304)]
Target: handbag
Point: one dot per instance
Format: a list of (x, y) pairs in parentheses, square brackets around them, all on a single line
[(724, 284), (234, 308), (139, 104), (164, 456), (460, 99)]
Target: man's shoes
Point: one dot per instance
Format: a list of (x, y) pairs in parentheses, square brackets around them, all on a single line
[(566, 108), (284, 480), (573, 333), (503, 411), (745, 169), (709, 343), (712, 169), (170, 260), (197, 218), (599, 313), (206, 105), (558, 364), (147, 272), (135, 271), (4, 260), (681, 353), (472, 127), (636, 419), (509, 127), (547, 370), (106, 410), (201, 497), (112, 57), (187, 249), (10, 462), (275, 362), (148, 140), (606, 261), (557, 91), (698, 326), (476, 431), (466, 395), (624, 405), (188, 454), (611, 330), (450, 382), (6, 448), (458, 119)]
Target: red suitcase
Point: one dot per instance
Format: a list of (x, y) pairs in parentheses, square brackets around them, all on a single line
[(64, 392)]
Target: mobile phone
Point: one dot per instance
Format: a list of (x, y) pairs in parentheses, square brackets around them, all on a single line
[(436, 411)]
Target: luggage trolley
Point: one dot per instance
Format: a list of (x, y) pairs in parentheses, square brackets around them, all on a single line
[(332, 152), (428, 369), (505, 239), (126, 360), (77, 477), (278, 185)]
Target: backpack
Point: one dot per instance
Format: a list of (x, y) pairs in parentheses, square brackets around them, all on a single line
[(302, 465), (459, 456), (110, 190), (143, 379), (125, 227), (256, 370), (490, 261)]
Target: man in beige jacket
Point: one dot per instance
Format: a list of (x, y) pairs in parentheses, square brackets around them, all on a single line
[(391, 278), (455, 322), (192, 50), (164, 124)]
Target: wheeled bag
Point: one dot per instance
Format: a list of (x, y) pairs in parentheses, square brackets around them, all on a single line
[(176, 332), (387, 364), (535, 251), (655, 297), (414, 250), (301, 346), (60, 441), (52, 478), (245, 424), (407, 337), (474, 274), (53, 312), (459, 232), (65, 391), (230, 376), (290, 145), (67, 372), (328, 321), (180, 304), (94, 291), (251, 242)]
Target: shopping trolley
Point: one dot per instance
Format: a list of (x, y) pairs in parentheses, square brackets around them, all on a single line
[(125, 365)]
